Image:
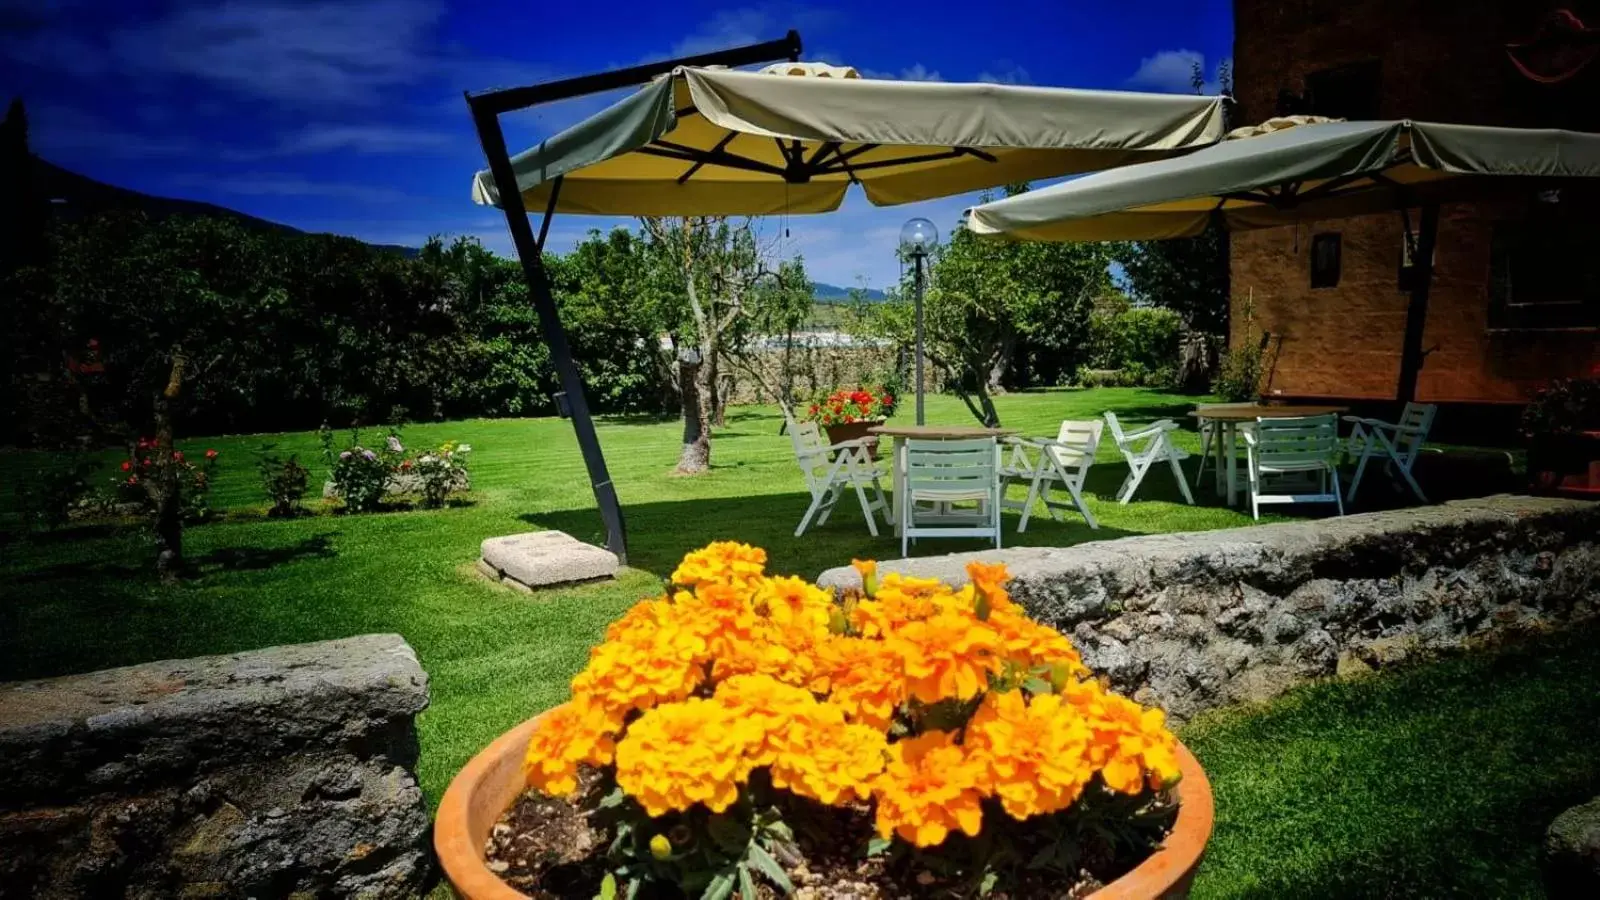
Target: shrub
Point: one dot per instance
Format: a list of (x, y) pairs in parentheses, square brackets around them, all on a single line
[(440, 472), (1239, 375), (863, 404), (740, 704), (48, 496), (193, 482), (286, 481), (360, 475), (1142, 337)]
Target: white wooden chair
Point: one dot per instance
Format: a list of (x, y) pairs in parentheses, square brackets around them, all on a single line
[(1289, 448), (1045, 464), (1399, 443), (830, 469), (1143, 449), (945, 473)]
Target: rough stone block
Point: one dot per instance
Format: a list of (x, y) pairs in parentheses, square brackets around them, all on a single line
[(266, 773), (547, 558), (1572, 853), (1201, 619)]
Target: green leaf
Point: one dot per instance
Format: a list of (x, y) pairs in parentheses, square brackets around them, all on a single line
[(613, 799), (770, 868), (633, 888), (608, 888), (747, 887), (877, 845), (721, 886), (986, 886), (1037, 686), (730, 834)]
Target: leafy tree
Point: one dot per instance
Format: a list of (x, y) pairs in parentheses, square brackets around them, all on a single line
[(987, 301)]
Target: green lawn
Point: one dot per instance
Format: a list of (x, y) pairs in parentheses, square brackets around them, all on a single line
[(85, 598)]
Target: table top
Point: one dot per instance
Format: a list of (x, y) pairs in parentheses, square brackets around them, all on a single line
[(940, 432), (1253, 412)]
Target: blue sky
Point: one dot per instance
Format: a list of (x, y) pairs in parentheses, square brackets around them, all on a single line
[(346, 116)]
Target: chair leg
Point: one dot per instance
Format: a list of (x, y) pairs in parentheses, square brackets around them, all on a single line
[(1411, 482), (833, 500), (866, 508), (994, 518), (905, 523), (1177, 472), (1334, 472), (1027, 505), (1077, 498), (1361, 468), (1205, 451), (805, 521), (1136, 472)]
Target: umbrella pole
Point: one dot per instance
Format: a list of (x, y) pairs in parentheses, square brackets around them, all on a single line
[(1411, 354), (918, 300), (555, 336), (486, 109)]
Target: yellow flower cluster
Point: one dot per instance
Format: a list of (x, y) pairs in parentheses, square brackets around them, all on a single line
[(736, 670)]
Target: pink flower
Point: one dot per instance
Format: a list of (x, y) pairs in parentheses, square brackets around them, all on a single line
[(211, 454)]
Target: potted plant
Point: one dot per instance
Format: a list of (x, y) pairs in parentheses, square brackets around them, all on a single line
[(847, 414), (750, 735), (1562, 427)]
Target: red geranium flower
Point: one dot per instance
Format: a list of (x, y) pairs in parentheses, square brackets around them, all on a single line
[(145, 461), (177, 455), (211, 454), (126, 465), (133, 479)]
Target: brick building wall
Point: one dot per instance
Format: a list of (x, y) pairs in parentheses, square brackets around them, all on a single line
[(1431, 60)]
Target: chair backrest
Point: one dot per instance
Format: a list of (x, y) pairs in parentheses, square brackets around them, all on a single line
[(1414, 423), (1116, 431), (810, 449), (963, 465), (1083, 439), (1296, 440)]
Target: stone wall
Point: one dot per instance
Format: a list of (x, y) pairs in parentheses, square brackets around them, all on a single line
[(286, 772), (1441, 62), (1197, 620)]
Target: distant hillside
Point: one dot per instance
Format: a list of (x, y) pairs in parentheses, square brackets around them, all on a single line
[(73, 195), (823, 292)]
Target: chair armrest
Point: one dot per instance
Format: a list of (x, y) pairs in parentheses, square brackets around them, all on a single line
[(854, 444), (1250, 436), (1152, 428)]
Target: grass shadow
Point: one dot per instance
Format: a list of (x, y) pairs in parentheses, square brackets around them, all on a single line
[(233, 559)]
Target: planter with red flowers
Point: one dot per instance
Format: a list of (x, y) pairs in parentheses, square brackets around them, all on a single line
[(1562, 427), (754, 736), (848, 413)]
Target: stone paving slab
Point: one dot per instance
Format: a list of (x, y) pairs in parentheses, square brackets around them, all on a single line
[(539, 559)]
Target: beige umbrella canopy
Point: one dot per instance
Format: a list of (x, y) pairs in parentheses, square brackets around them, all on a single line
[(1270, 176), (793, 137)]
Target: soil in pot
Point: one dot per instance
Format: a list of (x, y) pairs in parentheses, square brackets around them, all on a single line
[(551, 849)]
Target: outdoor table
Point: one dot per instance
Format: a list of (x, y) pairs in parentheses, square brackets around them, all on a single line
[(1226, 418), (900, 433)]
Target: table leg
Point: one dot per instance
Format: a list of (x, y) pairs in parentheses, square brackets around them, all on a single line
[(898, 463), (1232, 437), (1219, 431)]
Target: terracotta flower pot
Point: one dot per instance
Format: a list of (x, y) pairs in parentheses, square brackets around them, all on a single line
[(850, 431), (489, 784)]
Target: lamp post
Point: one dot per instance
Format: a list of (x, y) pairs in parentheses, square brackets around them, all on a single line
[(918, 237)]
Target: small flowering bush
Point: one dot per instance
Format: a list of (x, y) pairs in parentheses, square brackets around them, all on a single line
[(361, 474), (440, 472), (739, 704), (192, 481), (841, 407), (285, 481)]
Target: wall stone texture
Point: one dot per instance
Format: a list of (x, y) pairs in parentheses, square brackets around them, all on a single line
[(1203, 619), (285, 772)]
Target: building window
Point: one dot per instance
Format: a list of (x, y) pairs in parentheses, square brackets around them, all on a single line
[(1350, 91), (1544, 272), (1325, 260)]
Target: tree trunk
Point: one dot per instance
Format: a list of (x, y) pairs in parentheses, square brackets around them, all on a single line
[(164, 490), (999, 362), (693, 375)]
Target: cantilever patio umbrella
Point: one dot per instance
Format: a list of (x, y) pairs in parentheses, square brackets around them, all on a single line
[(699, 139), (1305, 172)]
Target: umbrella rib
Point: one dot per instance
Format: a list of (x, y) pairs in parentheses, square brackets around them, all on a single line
[(1333, 186), (712, 158), (726, 139), (971, 151), (822, 153), (902, 161)]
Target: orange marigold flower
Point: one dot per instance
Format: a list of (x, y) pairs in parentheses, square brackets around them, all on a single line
[(721, 562), (947, 656), (989, 582), (772, 707), (650, 657), (680, 754), (929, 787), (1031, 644), (868, 570), (1130, 745), (579, 733), (864, 679), (829, 760), (1036, 751)]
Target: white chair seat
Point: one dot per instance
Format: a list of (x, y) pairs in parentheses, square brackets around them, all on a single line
[(1046, 465)]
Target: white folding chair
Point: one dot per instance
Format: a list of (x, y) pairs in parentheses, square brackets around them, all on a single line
[(1143, 449), (1400, 443), (1046, 464), (1291, 448), (945, 473), (830, 469)]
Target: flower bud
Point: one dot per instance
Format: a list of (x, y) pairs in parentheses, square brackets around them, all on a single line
[(660, 847)]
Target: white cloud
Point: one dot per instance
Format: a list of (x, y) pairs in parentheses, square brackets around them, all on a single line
[(917, 72), (1004, 71), (277, 184), (367, 139), (68, 131), (1172, 71)]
